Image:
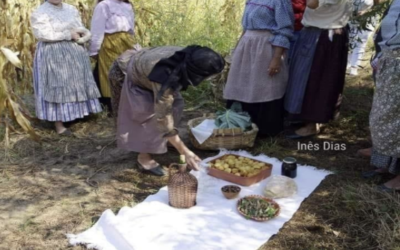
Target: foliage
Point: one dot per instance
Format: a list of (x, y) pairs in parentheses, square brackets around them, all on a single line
[(213, 23)]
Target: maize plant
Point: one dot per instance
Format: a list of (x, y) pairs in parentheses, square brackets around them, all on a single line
[(213, 23)]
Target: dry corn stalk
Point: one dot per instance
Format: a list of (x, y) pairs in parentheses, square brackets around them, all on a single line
[(8, 99)]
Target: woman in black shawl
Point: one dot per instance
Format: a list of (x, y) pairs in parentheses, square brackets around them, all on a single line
[(149, 104)]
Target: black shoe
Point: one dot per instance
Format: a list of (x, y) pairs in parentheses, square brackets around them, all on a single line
[(383, 188), (159, 171), (295, 136), (370, 174)]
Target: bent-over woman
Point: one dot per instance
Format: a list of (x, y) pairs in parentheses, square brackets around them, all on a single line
[(150, 105), (112, 29), (63, 82), (259, 72)]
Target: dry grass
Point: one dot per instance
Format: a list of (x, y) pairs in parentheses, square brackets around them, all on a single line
[(64, 184)]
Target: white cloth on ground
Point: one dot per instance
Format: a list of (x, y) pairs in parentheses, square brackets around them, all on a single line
[(213, 224)]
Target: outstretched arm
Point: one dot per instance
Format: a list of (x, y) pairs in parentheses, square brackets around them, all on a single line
[(191, 159)]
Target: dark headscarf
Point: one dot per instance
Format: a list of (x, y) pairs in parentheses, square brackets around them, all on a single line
[(189, 66)]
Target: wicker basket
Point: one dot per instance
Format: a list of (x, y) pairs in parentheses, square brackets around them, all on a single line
[(229, 138), (182, 188), (272, 202)]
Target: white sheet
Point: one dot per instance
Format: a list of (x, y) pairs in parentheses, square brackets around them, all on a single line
[(213, 224)]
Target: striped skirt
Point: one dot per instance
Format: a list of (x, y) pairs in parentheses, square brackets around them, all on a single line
[(64, 87), (113, 46)]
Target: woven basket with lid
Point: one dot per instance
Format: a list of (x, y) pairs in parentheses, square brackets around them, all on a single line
[(182, 188)]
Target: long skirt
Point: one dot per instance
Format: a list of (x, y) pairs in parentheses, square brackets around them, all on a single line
[(250, 84), (385, 114), (268, 116), (63, 83), (392, 164), (136, 122), (248, 77), (137, 126), (322, 96), (113, 46)]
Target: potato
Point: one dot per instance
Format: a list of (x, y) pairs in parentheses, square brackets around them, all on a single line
[(237, 174), (228, 170)]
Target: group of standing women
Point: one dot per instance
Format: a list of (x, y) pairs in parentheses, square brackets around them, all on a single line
[(310, 87), (146, 83), (64, 85)]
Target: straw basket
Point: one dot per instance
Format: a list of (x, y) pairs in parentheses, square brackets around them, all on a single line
[(228, 138)]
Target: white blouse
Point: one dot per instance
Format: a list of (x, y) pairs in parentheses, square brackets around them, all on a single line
[(51, 23), (330, 14), (109, 17)]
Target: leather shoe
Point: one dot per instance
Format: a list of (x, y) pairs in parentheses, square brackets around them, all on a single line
[(159, 171), (295, 136), (370, 174), (383, 188)]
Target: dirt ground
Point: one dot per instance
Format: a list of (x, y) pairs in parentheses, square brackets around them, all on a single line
[(64, 184)]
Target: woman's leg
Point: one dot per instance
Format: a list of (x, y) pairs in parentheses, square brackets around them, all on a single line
[(147, 161), (365, 152), (308, 129), (60, 128), (394, 183)]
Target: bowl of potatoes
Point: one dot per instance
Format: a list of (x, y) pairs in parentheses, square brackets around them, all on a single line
[(239, 170)]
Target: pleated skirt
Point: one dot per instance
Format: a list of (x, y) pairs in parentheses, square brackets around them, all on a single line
[(113, 46), (64, 87)]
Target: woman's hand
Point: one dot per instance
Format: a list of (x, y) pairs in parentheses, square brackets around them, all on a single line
[(192, 160), (275, 66), (375, 64), (75, 35)]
